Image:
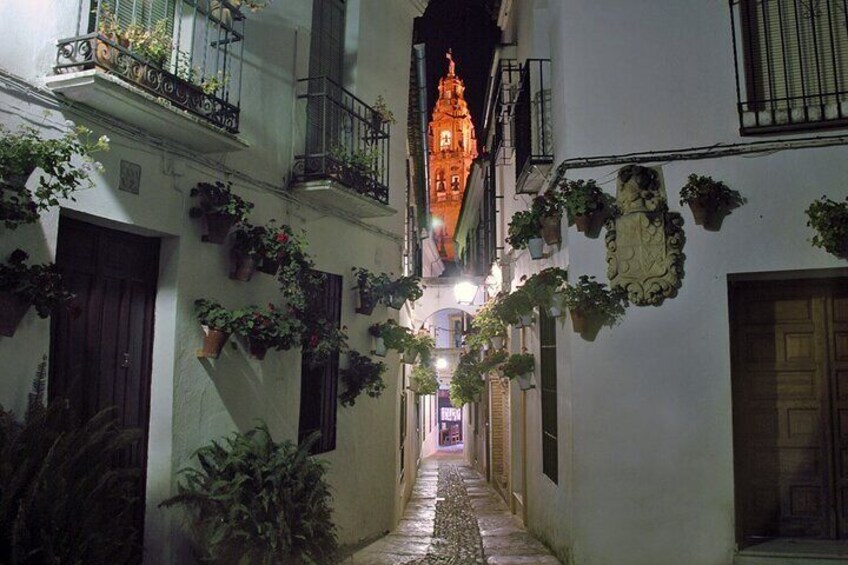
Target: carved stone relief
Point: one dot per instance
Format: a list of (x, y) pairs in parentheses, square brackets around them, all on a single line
[(645, 241)]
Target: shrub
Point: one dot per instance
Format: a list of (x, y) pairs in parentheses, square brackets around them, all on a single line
[(424, 380), (519, 364), (362, 375), (830, 220), (39, 285)]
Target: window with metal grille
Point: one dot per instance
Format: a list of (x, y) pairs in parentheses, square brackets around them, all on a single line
[(795, 59), (547, 354), (319, 383)]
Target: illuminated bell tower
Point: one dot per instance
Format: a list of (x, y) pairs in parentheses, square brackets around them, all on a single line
[(453, 146)]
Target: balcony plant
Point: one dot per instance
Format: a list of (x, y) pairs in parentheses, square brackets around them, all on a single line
[(267, 328), (150, 43), (24, 151), (548, 208), (589, 298), (709, 200), (545, 290), (381, 113), (520, 366), (467, 383), (398, 291), (217, 323), (524, 229), (65, 496), (423, 380), (355, 167), (253, 500), (389, 335), (220, 209), (22, 286), (419, 347), (371, 289), (583, 201), (489, 327), (830, 220), (361, 375)]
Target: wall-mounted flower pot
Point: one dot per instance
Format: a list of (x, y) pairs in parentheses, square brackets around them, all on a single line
[(242, 266), (268, 266), (579, 321), (365, 303), (535, 246), (525, 321), (213, 343), (583, 222), (525, 381), (379, 347), (552, 229), (707, 214), (217, 227), (397, 302), (556, 308), (497, 341), (257, 348), (12, 310), (409, 357)]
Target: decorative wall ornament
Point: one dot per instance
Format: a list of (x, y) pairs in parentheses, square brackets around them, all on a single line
[(644, 241)]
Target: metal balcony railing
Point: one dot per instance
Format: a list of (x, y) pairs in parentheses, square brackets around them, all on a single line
[(791, 59), (187, 52), (505, 89), (533, 133), (346, 140)]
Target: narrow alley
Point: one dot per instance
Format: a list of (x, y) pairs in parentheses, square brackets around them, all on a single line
[(454, 517)]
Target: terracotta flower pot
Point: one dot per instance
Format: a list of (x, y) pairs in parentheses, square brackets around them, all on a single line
[(213, 343), (535, 246), (242, 266), (525, 381), (365, 303), (525, 321), (583, 222), (701, 211), (268, 266), (12, 310), (579, 321), (217, 227), (552, 229), (258, 348)]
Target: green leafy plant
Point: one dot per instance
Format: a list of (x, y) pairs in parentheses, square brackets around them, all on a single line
[(518, 364), (422, 345), (24, 151), (423, 379), (486, 325), (581, 198), (524, 226), (713, 195), (382, 112), (152, 43), (592, 297), (63, 497), (362, 161), (273, 326), (830, 220), (549, 204), (541, 287), (39, 285), (250, 240), (394, 336), (362, 375), (211, 314), (511, 308), (467, 383), (254, 500), (372, 287), (492, 361), (322, 338), (398, 291), (218, 199)]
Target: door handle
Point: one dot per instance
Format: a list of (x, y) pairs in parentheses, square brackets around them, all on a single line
[(125, 363)]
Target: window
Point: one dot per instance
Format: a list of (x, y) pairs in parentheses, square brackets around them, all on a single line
[(319, 384), (445, 140), (795, 61), (455, 183), (547, 330)]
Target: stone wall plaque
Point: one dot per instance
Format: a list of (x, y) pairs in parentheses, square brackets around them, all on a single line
[(130, 177), (645, 241)]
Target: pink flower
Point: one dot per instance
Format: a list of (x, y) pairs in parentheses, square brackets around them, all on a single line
[(282, 237), (313, 341)]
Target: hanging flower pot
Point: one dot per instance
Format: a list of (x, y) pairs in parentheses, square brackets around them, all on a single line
[(525, 320), (583, 222), (552, 229), (365, 302), (242, 266), (213, 343), (258, 348), (556, 307), (579, 321), (535, 246), (217, 227), (397, 301), (525, 381), (12, 310), (497, 341), (379, 347), (268, 266), (410, 356)]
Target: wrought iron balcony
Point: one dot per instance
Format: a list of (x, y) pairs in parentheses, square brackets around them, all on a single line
[(346, 140), (185, 52), (791, 64), (534, 152)]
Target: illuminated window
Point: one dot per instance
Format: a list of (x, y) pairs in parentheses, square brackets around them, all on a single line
[(445, 140)]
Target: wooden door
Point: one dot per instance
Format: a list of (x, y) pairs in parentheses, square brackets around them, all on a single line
[(786, 404), (499, 430), (838, 309), (102, 356)]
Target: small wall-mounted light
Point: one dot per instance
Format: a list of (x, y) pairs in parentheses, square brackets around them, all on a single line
[(465, 292)]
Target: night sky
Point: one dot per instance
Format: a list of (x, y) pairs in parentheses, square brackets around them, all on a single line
[(465, 26)]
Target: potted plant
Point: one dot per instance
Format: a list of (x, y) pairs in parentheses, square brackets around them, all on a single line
[(467, 383), (22, 286), (397, 292), (524, 228), (370, 288), (362, 375), (24, 151), (516, 309), (545, 290), (322, 338), (248, 246), (220, 209), (830, 220), (418, 346), (709, 200), (389, 335), (217, 323), (381, 114), (493, 361), (520, 366), (423, 380), (591, 298), (253, 500), (266, 328), (280, 244), (488, 327), (583, 201), (548, 208)]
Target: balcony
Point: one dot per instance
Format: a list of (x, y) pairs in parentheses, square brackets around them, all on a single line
[(345, 163), (534, 152), (172, 68)]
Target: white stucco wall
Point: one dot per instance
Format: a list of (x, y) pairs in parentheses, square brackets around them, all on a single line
[(195, 401)]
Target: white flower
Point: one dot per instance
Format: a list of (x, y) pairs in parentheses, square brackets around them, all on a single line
[(70, 124)]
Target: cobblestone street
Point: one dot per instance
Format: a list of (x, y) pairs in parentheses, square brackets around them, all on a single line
[(454, 518)]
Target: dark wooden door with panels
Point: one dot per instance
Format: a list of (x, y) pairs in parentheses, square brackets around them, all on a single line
[(789, 342)]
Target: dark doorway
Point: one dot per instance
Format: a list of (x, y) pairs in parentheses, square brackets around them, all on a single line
[(790, 408), (101, 351)]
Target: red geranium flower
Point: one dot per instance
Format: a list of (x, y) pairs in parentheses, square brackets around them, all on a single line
[(282, 237), (313, 341)]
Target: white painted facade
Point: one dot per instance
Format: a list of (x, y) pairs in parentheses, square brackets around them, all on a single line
[(644, 411), (194, 401)]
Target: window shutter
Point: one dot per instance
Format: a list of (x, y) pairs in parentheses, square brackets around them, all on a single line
[(144, 13)]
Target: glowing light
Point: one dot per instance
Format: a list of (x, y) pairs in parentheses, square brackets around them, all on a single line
[(441, 363), (437, 222), (465, 292)]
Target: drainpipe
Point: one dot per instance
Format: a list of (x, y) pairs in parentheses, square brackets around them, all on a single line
[(422, 112)]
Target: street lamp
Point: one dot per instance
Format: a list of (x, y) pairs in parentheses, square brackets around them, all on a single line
[(441, 363), (465, 292)]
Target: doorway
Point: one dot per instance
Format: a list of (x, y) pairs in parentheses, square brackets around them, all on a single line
[(101, 350), (790, 408)]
